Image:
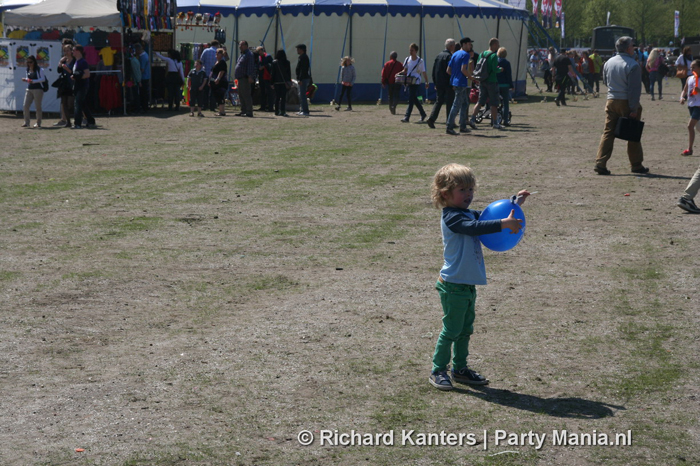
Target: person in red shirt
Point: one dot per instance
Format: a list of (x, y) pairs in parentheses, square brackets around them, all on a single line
[(389, 80)]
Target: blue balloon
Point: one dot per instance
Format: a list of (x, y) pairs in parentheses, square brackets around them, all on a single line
[(504, 240)]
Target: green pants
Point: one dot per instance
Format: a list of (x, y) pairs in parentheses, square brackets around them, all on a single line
[(457, 325)]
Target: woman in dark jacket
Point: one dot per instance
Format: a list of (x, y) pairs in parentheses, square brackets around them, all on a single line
[(219, 82), (281, 78)]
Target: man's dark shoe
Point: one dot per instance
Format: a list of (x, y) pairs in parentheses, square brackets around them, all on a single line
[(431, 123), (556, 101), (640, 170), (451, 131), (601, 170)]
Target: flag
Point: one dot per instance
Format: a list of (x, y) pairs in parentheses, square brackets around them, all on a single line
[(676, 23), (561, 24), (546, 13)]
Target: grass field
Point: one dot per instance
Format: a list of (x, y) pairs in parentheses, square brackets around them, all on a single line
[(182, 291)]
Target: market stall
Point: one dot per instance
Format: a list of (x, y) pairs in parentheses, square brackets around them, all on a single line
[(100, 26), (95, 24)]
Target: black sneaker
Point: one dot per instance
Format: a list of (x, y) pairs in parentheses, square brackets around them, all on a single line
[(451, 131), (688, 205), (640, 170), (431, 123), (440, 380), (404, 120), (556, 101), (464, 130), (468, 376), (472, 122), (601, 170)]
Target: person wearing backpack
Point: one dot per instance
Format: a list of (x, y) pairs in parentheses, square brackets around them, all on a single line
[(485, 72)]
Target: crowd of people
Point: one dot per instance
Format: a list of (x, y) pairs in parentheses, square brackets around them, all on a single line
[(456, 84), (585, 73), (459, 74)]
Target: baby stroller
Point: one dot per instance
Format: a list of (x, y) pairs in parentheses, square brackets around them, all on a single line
[(485, 111)]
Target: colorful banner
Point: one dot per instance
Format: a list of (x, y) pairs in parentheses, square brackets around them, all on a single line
[(544, 9), (21, 56), (4, 55), (676, 23), (534, 7), (43, 57), (561, 24)]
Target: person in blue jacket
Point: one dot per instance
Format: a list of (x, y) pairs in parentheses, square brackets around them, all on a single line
[(505, 83)]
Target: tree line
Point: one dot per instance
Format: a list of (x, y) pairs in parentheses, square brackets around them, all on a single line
[(653, 20)]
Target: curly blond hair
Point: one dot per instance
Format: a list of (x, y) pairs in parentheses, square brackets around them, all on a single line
[(448, 178)]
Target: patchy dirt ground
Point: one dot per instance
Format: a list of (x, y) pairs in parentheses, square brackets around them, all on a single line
[(199, 292)]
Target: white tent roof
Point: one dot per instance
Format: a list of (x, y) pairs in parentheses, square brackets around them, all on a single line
[(9, 4), (66, 13)]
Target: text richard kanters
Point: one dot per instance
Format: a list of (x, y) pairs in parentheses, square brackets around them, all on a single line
[(481, 439)]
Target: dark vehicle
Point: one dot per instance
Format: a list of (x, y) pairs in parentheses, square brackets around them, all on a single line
[(694, 44), (604, 38)]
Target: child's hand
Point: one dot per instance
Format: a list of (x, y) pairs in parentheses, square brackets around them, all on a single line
[(522, 195), (511, 222)]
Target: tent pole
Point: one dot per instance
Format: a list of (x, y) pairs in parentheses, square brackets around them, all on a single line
[(520, 51), (123, 71), (386, 29), (342, 54), (311, 45), (498, 24), (420, 33), (350, 24), (277, 29), (234, 45)]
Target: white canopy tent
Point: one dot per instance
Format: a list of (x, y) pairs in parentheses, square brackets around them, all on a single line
[(45, 15), (11, 4), (66, 13), (366, 29)]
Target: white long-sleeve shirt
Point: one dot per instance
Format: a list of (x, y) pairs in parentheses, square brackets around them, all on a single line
[(173, 66)]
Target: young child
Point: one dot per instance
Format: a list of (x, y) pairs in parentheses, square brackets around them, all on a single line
[(347, 78), (453, 190), (691, 93), (196, 84)]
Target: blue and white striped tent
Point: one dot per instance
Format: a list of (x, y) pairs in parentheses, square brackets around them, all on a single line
[(368, 30)]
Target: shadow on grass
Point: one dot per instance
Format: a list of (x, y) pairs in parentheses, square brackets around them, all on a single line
[(488, 136), (649, 175), (576, 408)]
